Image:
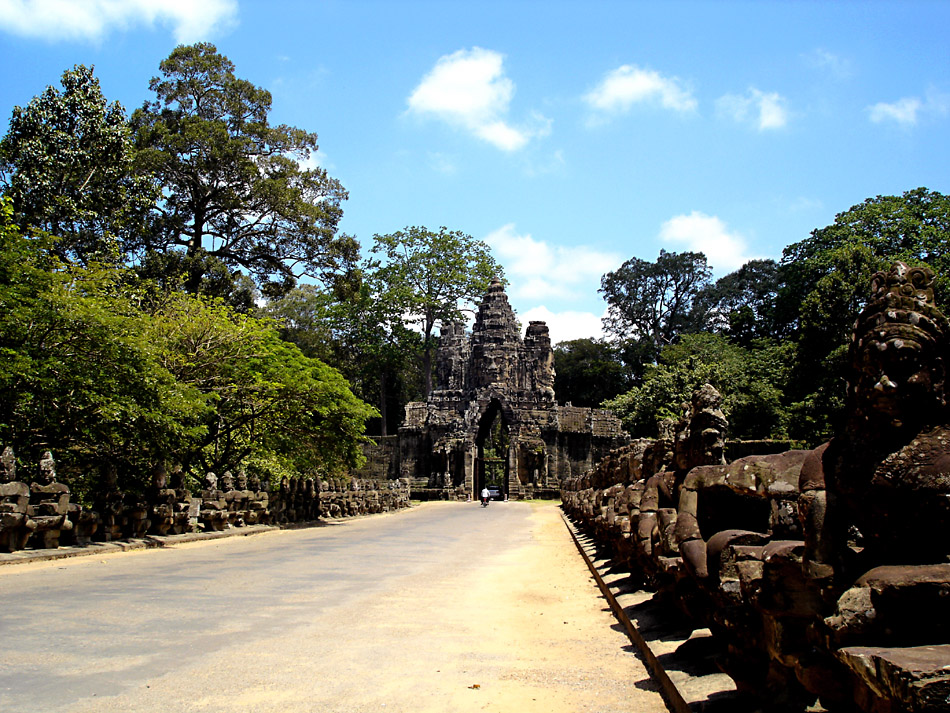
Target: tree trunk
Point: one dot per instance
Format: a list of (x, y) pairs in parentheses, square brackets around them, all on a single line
[(427, 368), (382, 404), (427, 354)]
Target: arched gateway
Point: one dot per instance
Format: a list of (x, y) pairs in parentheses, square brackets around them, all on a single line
[(493, 417)]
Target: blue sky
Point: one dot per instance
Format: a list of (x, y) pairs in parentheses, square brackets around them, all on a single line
[(570, 136)]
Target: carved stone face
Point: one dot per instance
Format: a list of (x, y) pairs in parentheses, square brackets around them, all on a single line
[(227, 481), (254, 483), (241, 480), (177, 479), (159, 476), (7, 466), (897, 354), (211, 481), (47, 475)]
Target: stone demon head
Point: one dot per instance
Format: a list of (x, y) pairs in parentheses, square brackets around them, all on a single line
[(898, 351)]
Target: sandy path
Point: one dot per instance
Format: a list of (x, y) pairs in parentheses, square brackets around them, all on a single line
[(546, 642)]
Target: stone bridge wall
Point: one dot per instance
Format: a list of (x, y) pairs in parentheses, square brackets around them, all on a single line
[(40, 514)]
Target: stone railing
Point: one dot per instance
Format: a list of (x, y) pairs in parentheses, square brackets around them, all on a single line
[(823, 574), (40, 515)]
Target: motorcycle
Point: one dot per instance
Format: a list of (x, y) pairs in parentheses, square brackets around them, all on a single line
[(485, 501)]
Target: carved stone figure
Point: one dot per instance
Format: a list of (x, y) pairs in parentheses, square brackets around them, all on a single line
[(15, 523), (109, 503), (49, 505), (214, 507), (162, 501), (820, 573)]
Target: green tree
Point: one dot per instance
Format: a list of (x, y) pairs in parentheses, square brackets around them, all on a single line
[(233, 185), (650, 302), (271, 402), (913, 227), (751, 381), (740, 305), (362, 335), (589, 372), (428, 277), (78, 373), (825, 283), (67, 164)]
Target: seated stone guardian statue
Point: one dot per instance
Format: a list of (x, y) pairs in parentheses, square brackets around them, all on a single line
[(49, 505), (214, 508), (15, 523)]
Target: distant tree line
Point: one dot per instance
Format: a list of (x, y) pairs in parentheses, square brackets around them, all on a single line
[(771, 336), (173, 286)]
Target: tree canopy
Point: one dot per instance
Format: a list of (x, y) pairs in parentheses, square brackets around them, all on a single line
[(650, 302), (765, 312), (428, 277), (67, 164), (87, 371), (589, 372), (234, 186)]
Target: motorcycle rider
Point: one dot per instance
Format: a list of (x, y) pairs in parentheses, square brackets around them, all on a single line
[(485, 496)]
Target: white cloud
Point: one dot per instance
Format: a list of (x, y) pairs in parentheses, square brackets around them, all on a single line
[(316, 159), (698, 232), (566, 325), (92, 19), (469, 90), (764, 110), (627, 85), (539, 271), (909, 110), (903, 111)]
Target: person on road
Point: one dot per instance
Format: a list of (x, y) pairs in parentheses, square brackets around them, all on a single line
[(485, 495)]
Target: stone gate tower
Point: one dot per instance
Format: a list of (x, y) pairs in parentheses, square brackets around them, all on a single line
[(493, 415)]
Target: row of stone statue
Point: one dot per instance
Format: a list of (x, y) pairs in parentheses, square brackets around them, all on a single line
[(823, 574), (40, 514)]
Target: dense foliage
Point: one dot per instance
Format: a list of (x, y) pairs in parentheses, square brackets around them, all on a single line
[(87, 371), (589, 372), (149, 296), (66, 162)]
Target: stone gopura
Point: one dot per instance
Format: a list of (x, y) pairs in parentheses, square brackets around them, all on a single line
[(493, 418)]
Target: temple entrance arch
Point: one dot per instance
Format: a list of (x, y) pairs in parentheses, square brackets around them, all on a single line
[(493, 450)]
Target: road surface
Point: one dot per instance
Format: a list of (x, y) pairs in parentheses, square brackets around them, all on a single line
[(446, 607)]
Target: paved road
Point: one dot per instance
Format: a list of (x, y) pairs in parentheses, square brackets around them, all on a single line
[(317, 619)]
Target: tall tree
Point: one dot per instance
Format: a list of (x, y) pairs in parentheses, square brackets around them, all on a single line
[(751, 381), (67, 164), (234, 187), (913, 227), (430, 277), (741, 304), (589, 371), (650, 302), (825, 281), (362, 335)]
